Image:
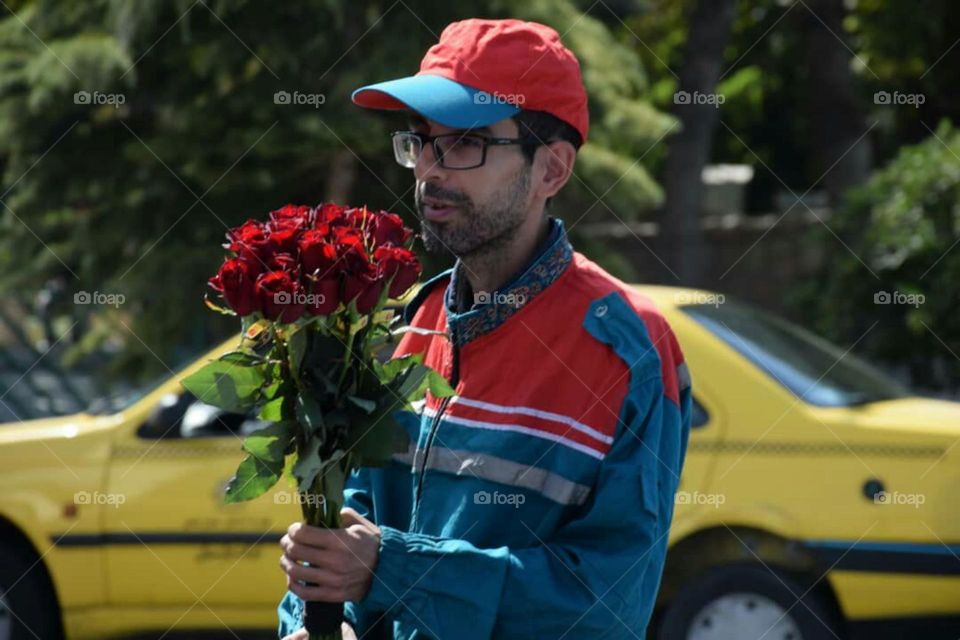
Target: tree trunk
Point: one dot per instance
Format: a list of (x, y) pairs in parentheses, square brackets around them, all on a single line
[(833, 109), (688, 151)]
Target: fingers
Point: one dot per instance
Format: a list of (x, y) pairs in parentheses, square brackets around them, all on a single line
[(321, 537), (303, 553)]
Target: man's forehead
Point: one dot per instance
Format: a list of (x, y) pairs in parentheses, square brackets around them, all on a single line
[(417, 121)]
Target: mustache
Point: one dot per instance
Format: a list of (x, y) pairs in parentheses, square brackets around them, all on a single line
[(430, 190)]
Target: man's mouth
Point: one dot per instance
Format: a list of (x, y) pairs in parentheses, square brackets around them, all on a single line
[(437, 210)]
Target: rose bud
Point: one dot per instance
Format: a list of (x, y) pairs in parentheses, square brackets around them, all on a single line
[(400, 264), (284, 233), (331, 214), (236, 282), (317, 255), (361, 282), (249, 240), (279, 296), (325, 298), (388, 229), (293, 211)]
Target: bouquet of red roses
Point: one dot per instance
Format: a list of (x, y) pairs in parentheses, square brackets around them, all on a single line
[(311, 285)]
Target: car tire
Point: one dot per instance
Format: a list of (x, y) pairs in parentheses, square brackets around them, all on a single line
[(746, 602), (28, 606)]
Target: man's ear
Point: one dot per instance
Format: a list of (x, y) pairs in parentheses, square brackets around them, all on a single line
[(557, 159)]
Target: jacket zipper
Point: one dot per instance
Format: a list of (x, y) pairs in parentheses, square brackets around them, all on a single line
[(434, 426)]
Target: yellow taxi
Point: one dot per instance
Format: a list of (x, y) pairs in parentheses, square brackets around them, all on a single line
[(818, 500)]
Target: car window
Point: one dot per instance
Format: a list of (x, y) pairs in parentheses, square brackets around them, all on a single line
[(813, 369)]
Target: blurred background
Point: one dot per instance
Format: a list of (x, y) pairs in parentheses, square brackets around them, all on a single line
[(799, 155)]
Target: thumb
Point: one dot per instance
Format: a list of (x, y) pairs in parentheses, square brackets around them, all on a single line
[(349, 516)]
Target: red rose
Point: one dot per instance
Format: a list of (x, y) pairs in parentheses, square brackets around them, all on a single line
[(316, 253), (331, 214), (348, 238), (400, 264), (293, 211), (284, 233), (249, 240), (279, 296), (388, 229), (236, 282), (325, 298), (362, 282)]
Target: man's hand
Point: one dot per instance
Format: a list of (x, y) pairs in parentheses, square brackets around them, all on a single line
[(342, 561), (346, 631)]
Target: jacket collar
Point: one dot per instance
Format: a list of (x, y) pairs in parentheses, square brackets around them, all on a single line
[(488, 311)]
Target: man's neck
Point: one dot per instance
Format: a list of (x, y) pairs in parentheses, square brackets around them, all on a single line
[(489, 271)]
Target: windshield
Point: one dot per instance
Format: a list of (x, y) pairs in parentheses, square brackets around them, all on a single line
[(811, 368)]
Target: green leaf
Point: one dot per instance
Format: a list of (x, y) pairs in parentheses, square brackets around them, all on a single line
[(309, 464), (296, 349), (438, 385), (309, 413), (254, 478), (241, 358), (273, 410), (270, 443), (225, 385), (387, 371), (367, 405), (373, 441)]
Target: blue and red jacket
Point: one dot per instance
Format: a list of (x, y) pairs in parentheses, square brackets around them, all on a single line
[(536, 502)]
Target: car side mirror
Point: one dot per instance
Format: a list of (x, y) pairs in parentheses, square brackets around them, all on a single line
[(164, 420)]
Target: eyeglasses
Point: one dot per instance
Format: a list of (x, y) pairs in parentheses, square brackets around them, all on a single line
[(452, 150)]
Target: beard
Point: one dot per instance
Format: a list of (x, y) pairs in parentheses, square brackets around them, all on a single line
[(476, 229)]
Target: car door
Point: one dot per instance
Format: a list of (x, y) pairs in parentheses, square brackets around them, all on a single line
[(172, 540)]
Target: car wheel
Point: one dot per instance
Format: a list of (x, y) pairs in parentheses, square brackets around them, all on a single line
[(28, 608), (747, 602)]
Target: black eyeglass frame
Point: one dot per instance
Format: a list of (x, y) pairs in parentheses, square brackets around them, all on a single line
[(487, 141)]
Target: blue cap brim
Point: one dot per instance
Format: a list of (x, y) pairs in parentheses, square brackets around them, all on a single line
[(437, 98)]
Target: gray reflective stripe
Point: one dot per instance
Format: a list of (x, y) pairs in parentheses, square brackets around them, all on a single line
[(495, 469), (683, 376)]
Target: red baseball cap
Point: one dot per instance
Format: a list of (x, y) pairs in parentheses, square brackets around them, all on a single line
[(482, 71)]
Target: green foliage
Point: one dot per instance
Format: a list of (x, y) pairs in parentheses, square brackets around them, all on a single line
[(131, 197), (903, 225)]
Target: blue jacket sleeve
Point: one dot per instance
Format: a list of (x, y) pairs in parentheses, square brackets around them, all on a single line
[(356, 494), (596, 577)]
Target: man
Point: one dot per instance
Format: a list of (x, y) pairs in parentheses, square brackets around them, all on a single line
[(536, 502)]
